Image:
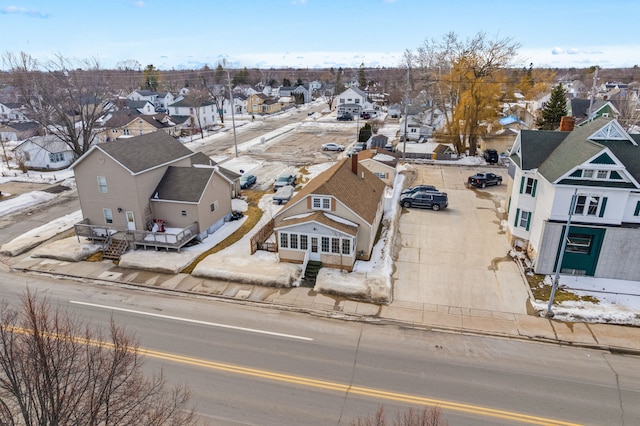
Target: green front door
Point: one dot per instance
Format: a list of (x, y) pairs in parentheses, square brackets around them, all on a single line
[(582, 251)]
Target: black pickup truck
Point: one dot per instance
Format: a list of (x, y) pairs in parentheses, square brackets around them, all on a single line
[(482, 180)]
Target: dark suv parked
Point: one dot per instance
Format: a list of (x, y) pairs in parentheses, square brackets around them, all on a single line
[(491, 156), (425, 200)]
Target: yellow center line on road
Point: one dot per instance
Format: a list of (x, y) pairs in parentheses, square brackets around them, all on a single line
[(321, 384), (356, 390)]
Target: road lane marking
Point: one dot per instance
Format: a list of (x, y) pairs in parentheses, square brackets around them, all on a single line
[(357, 390), (212, 324), (331, 386)]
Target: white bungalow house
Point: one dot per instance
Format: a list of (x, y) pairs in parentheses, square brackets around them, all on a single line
[(333, 219), (595, 167), (44, 153)]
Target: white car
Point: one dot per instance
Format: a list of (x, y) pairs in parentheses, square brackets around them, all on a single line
[(332, 147)]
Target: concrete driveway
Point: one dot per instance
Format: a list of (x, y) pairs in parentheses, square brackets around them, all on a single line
[(457, 258)]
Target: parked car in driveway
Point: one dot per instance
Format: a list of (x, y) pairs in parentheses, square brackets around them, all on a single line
[(284, 180), (418, 188), (284, 194), (247, 180), (482, 180), (425, 200), (345, 117), (491, 156), (332, 147)]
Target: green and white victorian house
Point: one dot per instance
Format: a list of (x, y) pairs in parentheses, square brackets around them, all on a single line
[(598, 163)]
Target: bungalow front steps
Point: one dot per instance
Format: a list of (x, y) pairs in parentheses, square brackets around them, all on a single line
[(311, 273)]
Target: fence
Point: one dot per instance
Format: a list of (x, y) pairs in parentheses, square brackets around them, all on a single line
[(259, 238)]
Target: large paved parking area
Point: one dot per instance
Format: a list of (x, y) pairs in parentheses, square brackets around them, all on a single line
[(457, 259)]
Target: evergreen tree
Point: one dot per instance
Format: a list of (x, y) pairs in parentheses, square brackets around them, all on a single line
[(362, 76), (554, 110), (365, 133)]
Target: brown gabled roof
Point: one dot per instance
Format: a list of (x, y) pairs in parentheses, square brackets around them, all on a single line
[(360, 192)]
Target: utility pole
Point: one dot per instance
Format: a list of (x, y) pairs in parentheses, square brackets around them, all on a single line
[(593, 93), (565, 238), (233, 117), (406, 110)]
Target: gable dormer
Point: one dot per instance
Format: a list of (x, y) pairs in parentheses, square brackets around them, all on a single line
[(612, 131)]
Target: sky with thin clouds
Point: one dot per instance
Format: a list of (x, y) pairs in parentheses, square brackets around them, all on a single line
[(315, 33)]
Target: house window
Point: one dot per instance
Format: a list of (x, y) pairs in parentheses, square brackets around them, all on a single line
[(525, 219), (636, 212), (579, 243), (56, 157), (346, 246), (590, 205), (357, 101), (214, 206), (303, 242), (125, 131), (593, 206), (528, 186), (325, 244), (27, 156), (603, 174), (414, 130), (380, 175), (335, 245), (102, 184), (294, 241), (321, 203), (108, 215), (284, 240), (587, 174)]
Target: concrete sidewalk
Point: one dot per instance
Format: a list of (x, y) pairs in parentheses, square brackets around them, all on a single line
[(614, 338)]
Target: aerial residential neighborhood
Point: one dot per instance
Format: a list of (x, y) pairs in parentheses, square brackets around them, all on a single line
[(339, 202)]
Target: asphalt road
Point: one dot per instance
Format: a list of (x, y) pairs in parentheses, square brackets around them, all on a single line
[(252, 365)]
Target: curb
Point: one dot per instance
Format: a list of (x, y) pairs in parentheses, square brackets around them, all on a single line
[(339, 315)]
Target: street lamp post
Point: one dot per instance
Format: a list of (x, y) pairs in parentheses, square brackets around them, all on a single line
[(565, 238)]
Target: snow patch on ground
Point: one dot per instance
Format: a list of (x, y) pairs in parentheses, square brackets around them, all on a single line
[(71, 249)]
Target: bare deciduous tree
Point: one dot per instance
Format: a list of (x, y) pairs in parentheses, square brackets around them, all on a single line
[(426, 416), (65, 97), (55, 369), (466, 75)]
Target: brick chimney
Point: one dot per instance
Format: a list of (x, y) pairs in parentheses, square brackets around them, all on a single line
[(567, 123), (354, 163)]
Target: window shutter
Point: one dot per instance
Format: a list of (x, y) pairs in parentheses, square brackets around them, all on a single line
[(637, 210), (521, 184), (604, 204), (309, 204), (535, 185), (333, 204), (517, 217), (528, 221)]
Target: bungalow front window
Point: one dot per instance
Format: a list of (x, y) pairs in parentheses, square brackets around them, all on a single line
[(335, 245), (284, 240), (325, 245), (321, 203), (346, 246), (303, 242), (293, 243)]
